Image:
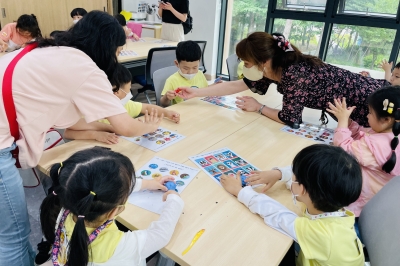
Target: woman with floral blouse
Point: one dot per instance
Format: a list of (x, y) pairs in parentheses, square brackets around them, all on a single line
[(304, 81)]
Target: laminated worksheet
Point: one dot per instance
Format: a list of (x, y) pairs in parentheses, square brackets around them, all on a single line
[(127, 53), (318, 133), (158, 140), (157, 167), (227, 102)]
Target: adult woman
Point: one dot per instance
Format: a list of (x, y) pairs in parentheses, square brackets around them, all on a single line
[(15, 35), (304, 81), (54, 86), (173, 13)]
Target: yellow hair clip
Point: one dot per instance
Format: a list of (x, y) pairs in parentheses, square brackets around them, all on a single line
[(59, 169), (390, 109), (91, 192)]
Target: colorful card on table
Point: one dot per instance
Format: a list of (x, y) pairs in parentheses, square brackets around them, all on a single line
[(227, 102), (318, 133), (223, 161), (157, 167), (127, 53), (158, 140)]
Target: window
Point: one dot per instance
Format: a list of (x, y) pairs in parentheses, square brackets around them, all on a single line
[(302, 5), (306, 35), (363, 47), (382, 8)]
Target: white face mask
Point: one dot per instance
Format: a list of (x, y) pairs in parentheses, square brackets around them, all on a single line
[(253, 73), (291, 191), (187, 76), (126, 98), (75, 21)]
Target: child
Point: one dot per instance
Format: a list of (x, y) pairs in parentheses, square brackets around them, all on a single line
[(375, 148), (392, 77), (326, 233), (89, 190), (15, 35), (77, 14), (188, 56), (122, 89), (128, 32)]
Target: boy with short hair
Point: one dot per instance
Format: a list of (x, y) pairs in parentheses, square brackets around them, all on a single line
[(391, 76), (77, 14), (121, 88), (188, 54)]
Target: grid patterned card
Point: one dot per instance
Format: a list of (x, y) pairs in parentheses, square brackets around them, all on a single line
[(313, 132), (227, 102)]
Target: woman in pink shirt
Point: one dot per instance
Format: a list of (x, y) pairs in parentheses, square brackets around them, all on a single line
[(15, 35), (375, 148), (55, 85)]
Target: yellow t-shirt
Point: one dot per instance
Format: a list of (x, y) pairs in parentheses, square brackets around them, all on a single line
[(328, 241), (240, 70), (176, 80), (133, 109)]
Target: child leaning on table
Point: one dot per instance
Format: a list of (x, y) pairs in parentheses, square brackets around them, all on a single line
[(325, 179), (391, 76), (188, 54), (121, 87), (90, 189)]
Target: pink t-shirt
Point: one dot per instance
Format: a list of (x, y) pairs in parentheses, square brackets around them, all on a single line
[(9, 32), (53, 87)]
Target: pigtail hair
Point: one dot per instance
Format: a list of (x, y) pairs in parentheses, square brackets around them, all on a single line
[(79, 242), (390, 164), (51, 206)]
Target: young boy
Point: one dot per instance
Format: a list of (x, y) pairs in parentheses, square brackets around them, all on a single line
[(122, 89), (188, 56), (391, 76), (326, 233), (77, 14)]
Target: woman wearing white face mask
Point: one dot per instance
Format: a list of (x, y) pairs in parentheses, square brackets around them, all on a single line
[(304, 81)]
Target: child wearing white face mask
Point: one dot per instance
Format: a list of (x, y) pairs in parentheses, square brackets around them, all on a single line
[(122, 89), (188, 56), (325, 179), (77, 14)]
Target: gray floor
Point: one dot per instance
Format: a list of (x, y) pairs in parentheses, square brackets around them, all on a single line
[(35, 196)]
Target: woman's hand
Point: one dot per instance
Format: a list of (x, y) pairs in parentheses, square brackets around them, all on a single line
[(167, 6), (186, 92), (341, 111), (174, 116), (232, 184), (269, 178), (152, 119), (105, 137), (247, 103), (365, 74)]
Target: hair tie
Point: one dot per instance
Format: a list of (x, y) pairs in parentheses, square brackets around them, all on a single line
[(81, 216), (91, 192), (395, 137), (385, 104), (283, 43), (59, 169), (55, 194)]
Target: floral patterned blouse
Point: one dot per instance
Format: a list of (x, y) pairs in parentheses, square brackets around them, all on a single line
[(304, 85)]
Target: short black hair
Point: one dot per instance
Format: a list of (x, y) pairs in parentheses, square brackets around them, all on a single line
[(79, 11), (188, 51), (397, 65), (330, 175), (121, 77), (121, 19), (30, 24)]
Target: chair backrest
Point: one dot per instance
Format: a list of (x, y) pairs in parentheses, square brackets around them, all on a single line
[(232, 63), (159, 58), (159, 78), (135, 27), (202, 45), (379, 225)]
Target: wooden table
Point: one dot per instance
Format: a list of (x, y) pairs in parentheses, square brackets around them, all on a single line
[(233, 235), (141, 49)]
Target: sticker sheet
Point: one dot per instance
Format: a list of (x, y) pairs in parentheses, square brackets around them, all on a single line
[(223, 161), (158, 140), (157, 167), (127, 53), (310, 131), (227, 102)]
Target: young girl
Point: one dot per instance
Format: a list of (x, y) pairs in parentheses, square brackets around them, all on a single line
[(15, 35), (128, 32), (89, 190), (326, 232), (376, 148)]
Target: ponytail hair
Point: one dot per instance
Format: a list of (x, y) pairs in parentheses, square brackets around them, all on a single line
[(30, 24), (386, 103)]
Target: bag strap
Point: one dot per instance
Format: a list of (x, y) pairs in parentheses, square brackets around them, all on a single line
[(8, 100)]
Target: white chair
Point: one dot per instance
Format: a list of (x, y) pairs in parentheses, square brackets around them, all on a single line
[(379, 225), (232, 63), (159, 78)]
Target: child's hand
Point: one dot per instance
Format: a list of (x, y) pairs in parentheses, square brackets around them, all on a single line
[(105, 137), (164, 197), (3, 47), (170, 95), (386, 66), (135, 37), (152, 119), (174, 116), (365, 74), (187, 93), (158, 183), (269, 178), (247, 103), (341, 111), (232, 184)]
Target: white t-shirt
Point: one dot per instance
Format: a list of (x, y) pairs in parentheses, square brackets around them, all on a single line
[(53, 87)]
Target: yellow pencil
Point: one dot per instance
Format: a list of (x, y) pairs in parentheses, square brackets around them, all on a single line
[(195, 238)]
